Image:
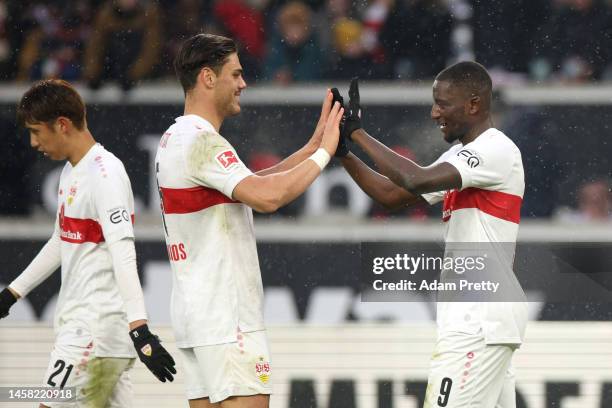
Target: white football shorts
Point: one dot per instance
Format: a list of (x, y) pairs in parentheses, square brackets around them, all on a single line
[(467, 373), (220, 371), (100, 382)]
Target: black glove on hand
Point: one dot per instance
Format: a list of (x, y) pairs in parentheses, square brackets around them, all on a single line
[(342, 149), (7, 299), (152, 354), (352, 120)]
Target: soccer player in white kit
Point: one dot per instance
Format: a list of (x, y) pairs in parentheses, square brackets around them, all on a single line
[(100, 304), (481, 182), (207, 194)]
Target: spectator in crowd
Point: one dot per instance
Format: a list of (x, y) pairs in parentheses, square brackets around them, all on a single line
[(323, 20), (355, 48), (576, 41), (349, 55), (416, 38), (293, 51), (184, 19), (594, 203), (125, 44), (53, 44), (242, 21), (374, 18)]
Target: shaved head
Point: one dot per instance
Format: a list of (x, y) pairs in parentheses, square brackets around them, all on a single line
[(471, 78)]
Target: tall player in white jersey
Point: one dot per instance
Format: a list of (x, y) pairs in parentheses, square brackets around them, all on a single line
[(100, 304), (481, 181), (207, 194)]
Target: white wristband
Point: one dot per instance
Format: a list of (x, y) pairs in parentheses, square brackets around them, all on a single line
[(321, 158)]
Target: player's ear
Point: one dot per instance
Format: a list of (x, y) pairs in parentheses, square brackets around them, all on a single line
[(62, 124), (208, 77), (474, 105)]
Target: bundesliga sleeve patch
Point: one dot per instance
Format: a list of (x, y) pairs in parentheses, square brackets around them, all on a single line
[(227, 160), (471, 157)]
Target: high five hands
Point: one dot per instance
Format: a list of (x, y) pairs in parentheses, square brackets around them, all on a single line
[(351, 120)]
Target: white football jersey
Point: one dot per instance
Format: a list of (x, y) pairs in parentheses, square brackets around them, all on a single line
[(486, 209), (210, 239), (95, 207)]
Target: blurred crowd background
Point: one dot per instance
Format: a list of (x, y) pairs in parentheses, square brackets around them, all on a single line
[(288, 41), (126, 42)]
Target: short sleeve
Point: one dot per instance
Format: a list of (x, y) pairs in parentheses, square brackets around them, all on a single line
[(212, 161), (114, 203), (433, 198), (482, 165), (436, 196)]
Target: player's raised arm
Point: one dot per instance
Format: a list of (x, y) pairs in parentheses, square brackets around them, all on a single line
[(309, 148), (270, 192), (400, 170), (378, 187)]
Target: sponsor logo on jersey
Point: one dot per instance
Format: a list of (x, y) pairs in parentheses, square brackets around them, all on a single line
[(470, 157), (68, 235), (73, 236), (262, 370), (498, 204), (227, 159), (118, 215), (79, 230)]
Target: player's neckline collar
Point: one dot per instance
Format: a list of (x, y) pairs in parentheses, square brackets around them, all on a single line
[(196, 120), (87, 155)]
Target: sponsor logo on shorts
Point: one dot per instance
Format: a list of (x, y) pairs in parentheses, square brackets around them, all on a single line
[(262, 370), (227, 159)]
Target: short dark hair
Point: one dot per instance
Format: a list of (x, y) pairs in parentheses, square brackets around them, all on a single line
[(199, 51), (468, 75), (49, 99)]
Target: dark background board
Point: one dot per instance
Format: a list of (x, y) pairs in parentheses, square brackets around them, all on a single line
[(575, 280), (562, 146)]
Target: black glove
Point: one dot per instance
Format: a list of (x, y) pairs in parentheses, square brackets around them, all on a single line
[(152, 354), (342, 150), (7, 299), (352, 120)]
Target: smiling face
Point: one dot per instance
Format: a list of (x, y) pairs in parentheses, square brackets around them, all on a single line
[(451, 110), (48, 139), (229, 84)]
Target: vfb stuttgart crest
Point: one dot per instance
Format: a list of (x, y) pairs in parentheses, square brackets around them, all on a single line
[(262, 370)]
